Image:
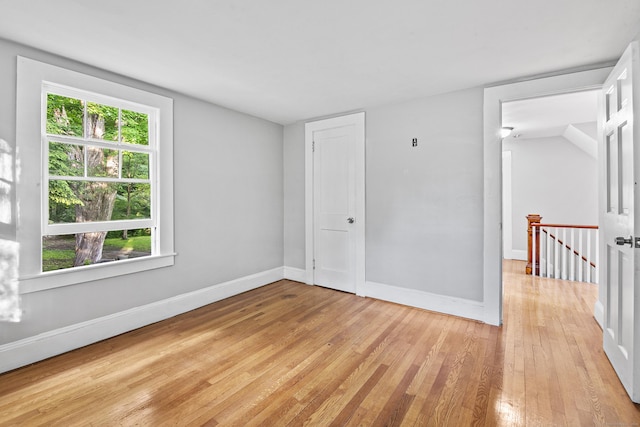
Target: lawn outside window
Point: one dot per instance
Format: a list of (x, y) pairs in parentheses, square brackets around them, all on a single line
[(102, 174)]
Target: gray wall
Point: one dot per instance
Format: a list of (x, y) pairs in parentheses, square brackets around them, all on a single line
[(294, 238), (228, 207), (424, 204), (553, 178)]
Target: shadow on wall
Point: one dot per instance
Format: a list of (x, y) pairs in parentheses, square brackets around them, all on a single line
[(9, 296)]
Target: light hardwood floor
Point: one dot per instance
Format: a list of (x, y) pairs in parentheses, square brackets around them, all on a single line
[(292, 354)]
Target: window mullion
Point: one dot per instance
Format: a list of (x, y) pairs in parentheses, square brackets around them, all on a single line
[(119, 143), (85, 136)]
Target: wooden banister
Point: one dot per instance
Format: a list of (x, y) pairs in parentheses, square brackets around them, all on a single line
[(557, 254), (589, 227), (533, 219)]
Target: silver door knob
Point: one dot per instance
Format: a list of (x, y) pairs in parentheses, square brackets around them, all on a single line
[(622, 241), (351, 220)]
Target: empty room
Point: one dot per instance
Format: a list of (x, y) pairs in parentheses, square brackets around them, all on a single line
[(293, 213)]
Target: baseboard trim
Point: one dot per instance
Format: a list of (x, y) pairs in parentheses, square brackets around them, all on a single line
[(42, 346), (519, 254), (598, 314), (414, 298), (296, 274)]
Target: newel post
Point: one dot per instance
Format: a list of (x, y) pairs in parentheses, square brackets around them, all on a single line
[(533, 218)]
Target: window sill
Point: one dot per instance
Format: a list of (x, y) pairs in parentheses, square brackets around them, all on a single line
[(73, 276)]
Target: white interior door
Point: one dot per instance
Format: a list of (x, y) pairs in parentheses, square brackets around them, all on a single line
[(337, 202), (620, 218)]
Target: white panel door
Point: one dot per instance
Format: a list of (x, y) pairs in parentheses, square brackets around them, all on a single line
[(619, 160), (335, 206)]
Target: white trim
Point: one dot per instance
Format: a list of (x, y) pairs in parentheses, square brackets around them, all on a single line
[(415, 298), (492, 189), (357, 119), (519, 254), (295, 274), (58, 278), (58, 341), (507, 207), (598, 313), (31, 75)]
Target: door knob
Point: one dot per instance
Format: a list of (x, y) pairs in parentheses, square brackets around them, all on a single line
[(351, 220), (623, 241)]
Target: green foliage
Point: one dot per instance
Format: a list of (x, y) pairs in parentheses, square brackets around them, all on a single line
[(135, 127), (117, 234), (56, 259), (58, 251), (66, 116), (137, 244)]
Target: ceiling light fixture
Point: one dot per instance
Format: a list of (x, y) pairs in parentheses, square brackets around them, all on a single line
[(505, 131)]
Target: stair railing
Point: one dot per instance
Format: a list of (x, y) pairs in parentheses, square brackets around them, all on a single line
[(563, 251)]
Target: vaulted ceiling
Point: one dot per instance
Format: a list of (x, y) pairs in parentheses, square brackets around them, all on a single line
[(290, 60)]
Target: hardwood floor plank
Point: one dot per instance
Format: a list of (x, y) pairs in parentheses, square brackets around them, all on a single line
[(292, 354)]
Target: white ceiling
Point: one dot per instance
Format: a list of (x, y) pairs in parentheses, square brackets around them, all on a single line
[(550, 115), (290, 60)]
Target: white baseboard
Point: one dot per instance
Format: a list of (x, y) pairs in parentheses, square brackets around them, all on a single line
[(297, 274), (598, 313), (29, 350), (440, 303), (519, 254)]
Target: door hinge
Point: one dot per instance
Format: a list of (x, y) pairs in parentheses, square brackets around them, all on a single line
[(314, 264), (313, 146)]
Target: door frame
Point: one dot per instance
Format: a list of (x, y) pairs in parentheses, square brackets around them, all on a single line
[(507, 207), (357, 120), (492, 194)]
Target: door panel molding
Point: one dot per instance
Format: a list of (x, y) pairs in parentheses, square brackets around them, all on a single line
[(619, 171)]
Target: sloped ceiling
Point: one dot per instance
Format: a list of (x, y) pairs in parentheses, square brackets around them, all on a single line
[(289, 60), (572, 116)]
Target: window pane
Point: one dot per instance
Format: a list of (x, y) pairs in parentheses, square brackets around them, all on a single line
[(60, 252), (135, 165), (135, 128), (92, 201), (102, 162), (66, 159), (102, 122), (132, 202), (82, 201), (62, 202), (64, 115)]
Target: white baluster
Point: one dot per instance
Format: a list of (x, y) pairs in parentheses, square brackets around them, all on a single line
[(572, 272), (533, 251), (556, 255), (549, 253), (588, 257), (580, 250), (597, 257), (543, 253)]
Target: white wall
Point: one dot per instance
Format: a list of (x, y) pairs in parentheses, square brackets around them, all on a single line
[(228, 210), (424, 204), (553, 178)]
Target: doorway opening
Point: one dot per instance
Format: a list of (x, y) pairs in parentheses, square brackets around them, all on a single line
[(494, 98), (549, 164)]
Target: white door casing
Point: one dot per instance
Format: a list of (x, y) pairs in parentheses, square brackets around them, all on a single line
[(494, 97), (619, 174), (334, 151)]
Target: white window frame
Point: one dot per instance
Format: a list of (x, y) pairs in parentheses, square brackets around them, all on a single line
[(34, 79)]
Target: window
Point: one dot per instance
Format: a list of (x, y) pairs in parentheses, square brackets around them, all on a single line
[(101, 160), (99, 180)]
